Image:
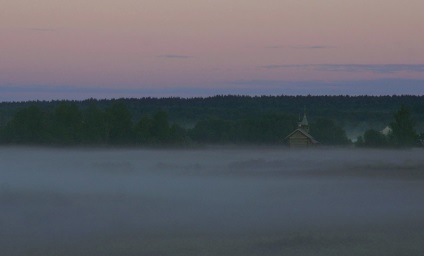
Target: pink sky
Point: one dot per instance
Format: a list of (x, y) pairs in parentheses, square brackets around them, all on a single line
[(167, 47)]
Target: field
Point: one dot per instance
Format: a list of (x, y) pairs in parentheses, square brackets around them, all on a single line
[(211, 201)]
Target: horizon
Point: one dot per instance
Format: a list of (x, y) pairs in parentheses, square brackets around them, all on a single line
[(201, 97)]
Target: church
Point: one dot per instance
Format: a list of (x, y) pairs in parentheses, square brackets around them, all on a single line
[(301, 137)]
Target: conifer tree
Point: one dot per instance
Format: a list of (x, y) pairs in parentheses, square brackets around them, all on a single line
[(403, 128)]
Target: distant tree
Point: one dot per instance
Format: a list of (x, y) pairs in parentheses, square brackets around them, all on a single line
[(178, 135), (360, 141), (263, 129), (94, 126), (212, 130), (403, 128), (421, 139), (268, 128), (160, 129), (27, 126), (118, 124), (143, 130), (66, 124), (373, 138), (326, 131)]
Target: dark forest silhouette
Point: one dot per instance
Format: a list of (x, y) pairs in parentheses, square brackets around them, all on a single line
[(219, 119)]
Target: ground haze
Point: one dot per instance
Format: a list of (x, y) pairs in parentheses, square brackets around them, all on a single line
[(211, 201)]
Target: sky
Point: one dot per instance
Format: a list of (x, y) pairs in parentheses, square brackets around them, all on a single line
[(57, 49)]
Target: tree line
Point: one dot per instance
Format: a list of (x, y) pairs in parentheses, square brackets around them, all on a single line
[(218, 119), (69, 124), (353, 112)]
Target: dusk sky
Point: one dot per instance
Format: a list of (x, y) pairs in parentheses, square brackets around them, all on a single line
[(57, 49)]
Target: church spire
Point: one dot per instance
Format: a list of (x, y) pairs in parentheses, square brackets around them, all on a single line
[(304, 125)]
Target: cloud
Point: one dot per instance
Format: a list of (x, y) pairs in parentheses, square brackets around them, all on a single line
[(175, 56), (352, 87), (277, 66), (43, 29), (384, 68), (275, 47), (301, 47), (312, 47), (379, 68)]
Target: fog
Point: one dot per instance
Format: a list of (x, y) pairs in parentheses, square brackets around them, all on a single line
[(211, 201)]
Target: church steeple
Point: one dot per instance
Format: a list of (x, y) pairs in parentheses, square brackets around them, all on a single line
[(304, 125), (301, 136)]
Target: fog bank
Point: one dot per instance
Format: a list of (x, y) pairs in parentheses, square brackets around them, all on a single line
[(211, 201)]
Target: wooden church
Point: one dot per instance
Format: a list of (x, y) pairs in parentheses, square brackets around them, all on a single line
[(301, 137)]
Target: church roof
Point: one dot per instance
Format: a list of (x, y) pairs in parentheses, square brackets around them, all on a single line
[(314, 141)]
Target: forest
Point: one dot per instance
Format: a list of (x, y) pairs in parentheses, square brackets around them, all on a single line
[(334, 120)]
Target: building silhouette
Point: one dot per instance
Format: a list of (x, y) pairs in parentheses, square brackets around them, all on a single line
[(301, 137)]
